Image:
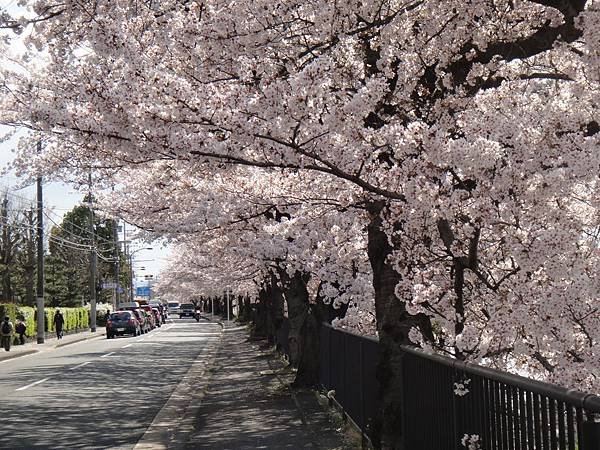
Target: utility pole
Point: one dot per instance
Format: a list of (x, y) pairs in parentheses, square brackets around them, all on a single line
[(128, 258), (117, 260), (41, 323), (131, 274), (92, 262)]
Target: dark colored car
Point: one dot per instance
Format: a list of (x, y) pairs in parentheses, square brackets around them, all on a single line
[(187, 310), (122, 322)]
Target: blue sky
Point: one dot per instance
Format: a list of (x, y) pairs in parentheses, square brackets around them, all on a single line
[(60, 198)]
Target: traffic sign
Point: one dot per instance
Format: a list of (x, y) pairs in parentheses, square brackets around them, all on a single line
[(142, 291)]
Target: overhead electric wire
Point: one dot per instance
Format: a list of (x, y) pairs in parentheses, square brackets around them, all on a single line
[(57, 239), (74, 225), (48, 210)]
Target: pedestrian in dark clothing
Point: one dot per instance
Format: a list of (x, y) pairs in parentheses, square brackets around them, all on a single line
[(6, 332), (20, 330), (59, 321)]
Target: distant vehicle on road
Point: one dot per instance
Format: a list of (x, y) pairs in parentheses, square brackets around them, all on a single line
[(154, 318), (122, 322), (162, 309), (187, 310), (157, 317), (141, 317), (173, 307)]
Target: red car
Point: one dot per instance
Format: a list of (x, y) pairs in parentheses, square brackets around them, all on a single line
[(122, 322), (151, 316), (142, 318)]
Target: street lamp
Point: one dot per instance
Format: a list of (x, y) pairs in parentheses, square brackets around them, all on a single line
[(131, 267)]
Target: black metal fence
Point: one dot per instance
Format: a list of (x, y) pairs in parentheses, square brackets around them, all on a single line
[(449, 404), (347, 366)]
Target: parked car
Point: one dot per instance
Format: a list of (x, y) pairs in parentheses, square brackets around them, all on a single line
[(156, 319), (187, 310), (161, 309), (147, 310), (158, 316), (141, 317), (122, 322), (173, 307)]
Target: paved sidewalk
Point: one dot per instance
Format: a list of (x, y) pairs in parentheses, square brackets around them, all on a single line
[(49, 343), (247, 403)]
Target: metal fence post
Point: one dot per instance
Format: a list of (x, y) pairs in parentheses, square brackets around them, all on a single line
[(362, 394), (344, 372), (591, 433)]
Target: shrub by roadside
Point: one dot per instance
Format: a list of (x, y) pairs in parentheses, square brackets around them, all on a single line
[(76, 319)]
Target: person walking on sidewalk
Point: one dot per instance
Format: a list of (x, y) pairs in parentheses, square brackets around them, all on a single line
[(59, 321), (20, 330), (6, 332)]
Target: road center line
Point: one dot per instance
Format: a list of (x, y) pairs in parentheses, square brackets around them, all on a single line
[(108, 354), (30, 385), (80, 365)]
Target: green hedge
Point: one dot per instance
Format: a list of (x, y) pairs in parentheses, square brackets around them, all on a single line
[(27, 315), (75, 318), (8, 309)]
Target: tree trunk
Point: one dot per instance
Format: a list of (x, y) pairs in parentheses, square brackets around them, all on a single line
[(393, 325), (307, 375), (304, 330), (326, 313), (247, 309), (259, 330), (275, 312), (296, 296)]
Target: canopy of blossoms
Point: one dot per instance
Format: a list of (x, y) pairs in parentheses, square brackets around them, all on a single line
[(471, 125)]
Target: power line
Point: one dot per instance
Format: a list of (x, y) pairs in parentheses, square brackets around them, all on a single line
[(74, 225), (47, 211), (57, 239)]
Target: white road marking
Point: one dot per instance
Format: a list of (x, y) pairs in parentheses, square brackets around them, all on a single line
[(108, 354), (128, 345), (30, 385), (80, 365)]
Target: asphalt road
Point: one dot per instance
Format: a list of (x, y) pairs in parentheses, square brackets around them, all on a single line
[(101, 393)]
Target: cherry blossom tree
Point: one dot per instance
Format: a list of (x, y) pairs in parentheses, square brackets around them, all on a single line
[(468, 128), (274, 231)]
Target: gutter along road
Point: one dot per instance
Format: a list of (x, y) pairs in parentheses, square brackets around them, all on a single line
[(99, 393)]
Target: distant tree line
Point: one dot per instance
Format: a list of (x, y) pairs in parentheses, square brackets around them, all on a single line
[(66, 260)]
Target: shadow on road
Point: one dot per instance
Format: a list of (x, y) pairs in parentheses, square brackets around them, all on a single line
[(107, 403)]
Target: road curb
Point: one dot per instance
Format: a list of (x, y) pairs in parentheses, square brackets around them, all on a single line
[(17, 355), (175, 421), (87, 338)]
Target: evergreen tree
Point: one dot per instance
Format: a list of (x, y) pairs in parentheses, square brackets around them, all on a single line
[(68, 263)]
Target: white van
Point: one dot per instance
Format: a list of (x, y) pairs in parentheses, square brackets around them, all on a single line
[(125, 305), (173, 307)]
